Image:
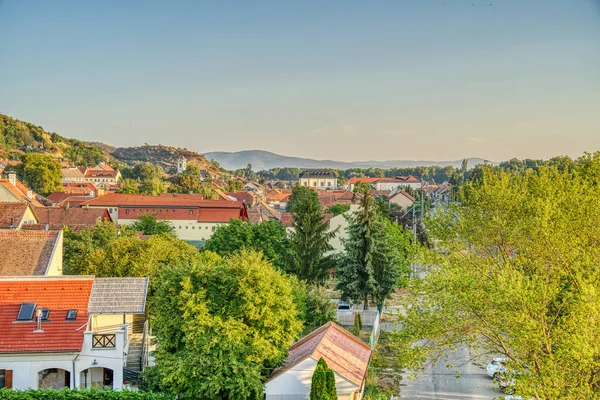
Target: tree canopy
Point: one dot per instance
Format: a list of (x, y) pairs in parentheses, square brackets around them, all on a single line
[(375, 255), (149, 225), (517, 274), (221, 325), (109, 251), (309, 240), (41, 173), (270, 237)]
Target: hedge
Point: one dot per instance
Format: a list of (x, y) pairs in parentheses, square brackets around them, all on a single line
[(86, 394)]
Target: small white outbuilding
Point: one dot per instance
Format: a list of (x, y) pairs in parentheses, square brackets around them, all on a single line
[(345, 354)]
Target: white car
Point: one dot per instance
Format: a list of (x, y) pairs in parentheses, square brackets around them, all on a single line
[(497, 367)]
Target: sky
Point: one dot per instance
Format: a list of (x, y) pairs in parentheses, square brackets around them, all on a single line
[(328, 79)]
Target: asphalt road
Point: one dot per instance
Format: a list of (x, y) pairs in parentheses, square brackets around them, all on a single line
[(441, 383)]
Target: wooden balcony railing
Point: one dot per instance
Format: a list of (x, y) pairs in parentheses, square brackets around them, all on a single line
[(104, 341)]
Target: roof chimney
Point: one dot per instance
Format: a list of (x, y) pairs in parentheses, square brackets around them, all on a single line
[(12, 178), (29, 194), (39, 320)]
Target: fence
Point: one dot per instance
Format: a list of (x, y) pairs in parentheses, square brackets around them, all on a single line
[(368, 317), (375, 331)]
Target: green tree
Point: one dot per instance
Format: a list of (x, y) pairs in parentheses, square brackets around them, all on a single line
[(270, 237), (149, 225), (309, 240), (517, 274), (129, 186), (338, 209), (221, 325), (322, 385), (150, 178), (330, 384), (357, 324), (109, 251), (318, 384), (41, 173), (375, 255), (233, 186)]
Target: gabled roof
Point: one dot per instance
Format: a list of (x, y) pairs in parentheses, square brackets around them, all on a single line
[(11, 214), (245, 197), (72, 173), (20, 192), (118, 296), (58, 294), (165, 200), (27, 252), (402, 193), (343, 352)]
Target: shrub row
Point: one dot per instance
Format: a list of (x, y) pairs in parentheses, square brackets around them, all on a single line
[(86, 394)]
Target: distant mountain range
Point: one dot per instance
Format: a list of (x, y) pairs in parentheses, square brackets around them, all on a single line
[(261, 160)]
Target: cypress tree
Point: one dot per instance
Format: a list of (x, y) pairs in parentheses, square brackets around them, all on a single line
[(330, 384), (318, 385)]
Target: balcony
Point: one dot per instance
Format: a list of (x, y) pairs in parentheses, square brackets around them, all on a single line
[(104, 341)]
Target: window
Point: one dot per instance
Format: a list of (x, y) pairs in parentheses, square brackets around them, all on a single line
[(127, 211), (2, 374), (71, 315), (180, 227), (186, 227), (328, 183), (191, 212), (214, 228), (315, 183), (26, 312), (146, 210), (45, 314), (206, 227), (193, 227)]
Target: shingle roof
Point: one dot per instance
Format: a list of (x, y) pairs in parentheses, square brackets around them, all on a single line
[(26, 252), (343, 352), (11, 214), (317, 173), (71, 173), (58, 294), (118, 296)]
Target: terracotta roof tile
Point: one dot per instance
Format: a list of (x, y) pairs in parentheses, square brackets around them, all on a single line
[(26, 252), (11, 214), (61, 216), (58, 294)]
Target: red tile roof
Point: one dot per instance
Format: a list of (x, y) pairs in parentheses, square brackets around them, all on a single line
[(11, 214), (58, 294), (245, 197), (353, 181), (208, 210), (61, 216), (20, 191), (343, 352), (26, 252)]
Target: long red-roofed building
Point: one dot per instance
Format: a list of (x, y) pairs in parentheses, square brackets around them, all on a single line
[(193, 217)]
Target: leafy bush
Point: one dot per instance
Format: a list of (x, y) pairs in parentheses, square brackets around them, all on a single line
[(86, 394)]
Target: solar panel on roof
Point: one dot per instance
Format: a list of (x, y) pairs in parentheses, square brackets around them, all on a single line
[(26, 312)]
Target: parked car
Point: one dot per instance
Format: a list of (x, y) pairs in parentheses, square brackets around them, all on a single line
[(497, 367), (344, 305)]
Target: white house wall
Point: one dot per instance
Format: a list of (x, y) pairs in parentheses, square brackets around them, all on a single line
[(55, 264), (341, 223), (294, 384)]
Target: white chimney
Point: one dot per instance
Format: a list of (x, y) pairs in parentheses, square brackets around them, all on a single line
[(39, 320), (30, 194), (12, 178)]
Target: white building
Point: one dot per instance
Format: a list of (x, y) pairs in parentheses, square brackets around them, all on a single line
[(73, 332), (181, 165), (344, 353), (194, 218), (318, 179), (389, 184)]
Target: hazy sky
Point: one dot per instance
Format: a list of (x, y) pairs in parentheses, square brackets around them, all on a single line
[(346, 80)]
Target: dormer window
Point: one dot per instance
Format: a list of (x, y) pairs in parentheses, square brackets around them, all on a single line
[(26, 312), (71, 315)]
